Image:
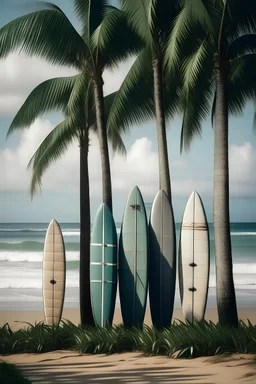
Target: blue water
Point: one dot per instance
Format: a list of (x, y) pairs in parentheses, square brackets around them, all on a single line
[(21, 252)]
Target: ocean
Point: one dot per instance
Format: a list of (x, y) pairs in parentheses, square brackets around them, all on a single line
[(21, 252)]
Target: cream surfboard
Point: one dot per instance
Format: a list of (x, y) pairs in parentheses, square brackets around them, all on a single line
[(194, 260), (54, 274)]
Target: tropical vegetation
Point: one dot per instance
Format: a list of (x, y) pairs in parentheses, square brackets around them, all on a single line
[(217, 42), (180, 340)]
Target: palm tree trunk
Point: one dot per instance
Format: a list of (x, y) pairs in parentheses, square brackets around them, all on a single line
[(226, 298), (85, 236), (103, 142), (164, 173)]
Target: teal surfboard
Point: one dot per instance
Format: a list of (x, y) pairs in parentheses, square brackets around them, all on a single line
[(103, 267), (162, 261), (133, 260)]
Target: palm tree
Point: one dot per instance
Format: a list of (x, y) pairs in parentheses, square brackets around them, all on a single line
[(104, 41), (148, 91), (74, 96), (219, 41)]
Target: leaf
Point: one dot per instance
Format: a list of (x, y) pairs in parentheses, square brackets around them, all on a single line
[(134, 102), (52, 147), (90, 13), (196, 104), (113, 41), (138, 13), (51, 95), (47, 34), (242, 45), (193, 19), (242, 83)]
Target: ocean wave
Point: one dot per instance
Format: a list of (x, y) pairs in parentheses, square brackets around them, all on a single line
[(33, 279), (243, 233), (32, 257), (32, 246), (65, 233)]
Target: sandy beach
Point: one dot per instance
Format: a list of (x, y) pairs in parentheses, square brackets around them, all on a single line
[(71, 367), (17, 319)]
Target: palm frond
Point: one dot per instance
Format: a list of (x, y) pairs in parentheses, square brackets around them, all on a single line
[(51, 95), (46, 33), (242, 17), (114, 135), (242, 45), (139, 17), (114, 40), (242, 83), (51, 149), (134, 102), (200, 61), (90, 13), (195, 19), (196, 104)]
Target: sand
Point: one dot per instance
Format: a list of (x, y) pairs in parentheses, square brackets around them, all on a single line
[(17, 319), (70, 367)]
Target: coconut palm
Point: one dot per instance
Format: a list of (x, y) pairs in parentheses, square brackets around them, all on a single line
[(104, 41), (147, 91), (219, 74), (74, 96)]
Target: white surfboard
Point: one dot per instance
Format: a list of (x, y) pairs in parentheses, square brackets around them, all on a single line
[(194, 259), (54, 274)]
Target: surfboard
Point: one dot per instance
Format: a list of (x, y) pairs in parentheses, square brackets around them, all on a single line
[(133, 260), (194, 259), (54, 274), (162, 260), (103, 267)]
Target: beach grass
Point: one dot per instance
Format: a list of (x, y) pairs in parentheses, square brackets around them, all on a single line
[(10, 374), (181, 339)]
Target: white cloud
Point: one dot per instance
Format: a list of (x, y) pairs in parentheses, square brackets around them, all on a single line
[(242, 163), (19, 75), (140, 167)]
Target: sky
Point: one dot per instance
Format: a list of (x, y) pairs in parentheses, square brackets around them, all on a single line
[(59, 195)]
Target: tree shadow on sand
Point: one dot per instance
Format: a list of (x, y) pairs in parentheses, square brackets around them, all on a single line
[(87, 373)]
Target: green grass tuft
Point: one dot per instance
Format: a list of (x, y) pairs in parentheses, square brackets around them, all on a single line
[(9, 374), (181, 339)]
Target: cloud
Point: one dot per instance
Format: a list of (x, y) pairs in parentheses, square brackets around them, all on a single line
[(19, 75), (242, 164), (140, 167)]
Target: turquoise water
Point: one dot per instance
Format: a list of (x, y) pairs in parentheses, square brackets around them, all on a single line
[(21, 252)]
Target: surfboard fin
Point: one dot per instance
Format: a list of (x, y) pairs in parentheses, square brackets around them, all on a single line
[(193, 289)]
